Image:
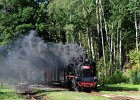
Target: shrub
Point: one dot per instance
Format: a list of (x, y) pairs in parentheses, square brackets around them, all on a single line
[(134, 73), (118, 77), (134, 76)]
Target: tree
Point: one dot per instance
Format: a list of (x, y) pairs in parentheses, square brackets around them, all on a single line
[(21, 17), (133, 8), (77, 24)]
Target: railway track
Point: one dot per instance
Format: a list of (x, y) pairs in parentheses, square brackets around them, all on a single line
[(32, 91), (29, 93)]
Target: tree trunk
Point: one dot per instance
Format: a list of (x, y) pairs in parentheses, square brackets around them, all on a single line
[(5, 10), (97, 25), (114, 58), (105, 23), (92, 49), (79, 36), (120, 50), (101, 31), (136, 27), (117, 49), (111, 54), (88, 38)]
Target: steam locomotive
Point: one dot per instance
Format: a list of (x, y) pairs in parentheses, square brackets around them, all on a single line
[(81, 77)]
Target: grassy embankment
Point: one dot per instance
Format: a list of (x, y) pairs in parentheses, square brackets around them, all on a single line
[(71, 95), (9, 94), (122, 89), (116, 89)]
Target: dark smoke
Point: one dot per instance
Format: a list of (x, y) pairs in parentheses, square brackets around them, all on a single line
[(30, 58)]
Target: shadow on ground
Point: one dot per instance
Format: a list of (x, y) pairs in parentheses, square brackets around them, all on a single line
[(108, 88)]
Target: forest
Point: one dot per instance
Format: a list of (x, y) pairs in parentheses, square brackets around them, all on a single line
[(109, 30)]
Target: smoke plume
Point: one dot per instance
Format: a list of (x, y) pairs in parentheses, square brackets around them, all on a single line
[(30, 58)]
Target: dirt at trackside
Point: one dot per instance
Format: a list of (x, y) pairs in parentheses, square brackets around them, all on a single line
[(30, 95), (116, 96)]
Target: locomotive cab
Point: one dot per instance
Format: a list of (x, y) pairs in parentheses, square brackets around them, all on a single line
[(86, 71)]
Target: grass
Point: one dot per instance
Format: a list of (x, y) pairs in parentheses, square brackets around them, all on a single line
[(121, 89), (115, 89), (9, 94), (69, 95)]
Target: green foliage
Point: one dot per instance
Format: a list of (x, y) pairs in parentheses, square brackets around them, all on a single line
[(76, 21), (133, 6), (41, 27), (21, 17), (70, 18), (8, 94), (24, 28), (118, 77), (120, 88), (134, 76), (134, 56), (101, 72), (69, 33), (27, 13), (134, 72)]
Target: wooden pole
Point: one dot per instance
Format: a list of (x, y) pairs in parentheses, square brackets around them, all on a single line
[(1, 84)]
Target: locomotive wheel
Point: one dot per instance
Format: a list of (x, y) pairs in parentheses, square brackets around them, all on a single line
[(79, 89), (95, 88), (69, 84), (87, 90)]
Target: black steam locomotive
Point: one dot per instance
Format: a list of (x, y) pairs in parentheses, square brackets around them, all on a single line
[(81, 77)]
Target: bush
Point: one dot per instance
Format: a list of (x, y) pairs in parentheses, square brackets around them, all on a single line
[(134, 76), (134, 61), (118, 77)]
